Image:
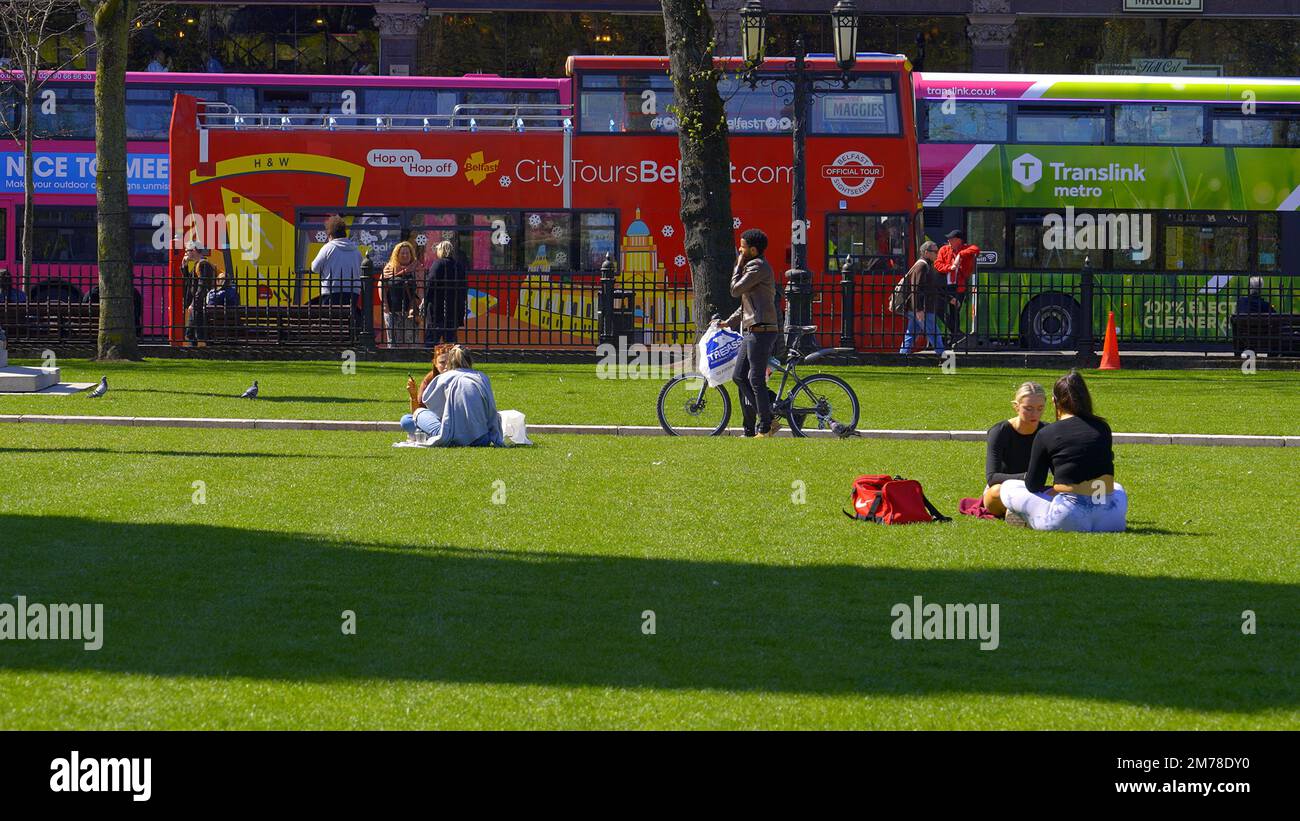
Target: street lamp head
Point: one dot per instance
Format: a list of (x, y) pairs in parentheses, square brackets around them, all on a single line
[(844, 17), (753, 32)]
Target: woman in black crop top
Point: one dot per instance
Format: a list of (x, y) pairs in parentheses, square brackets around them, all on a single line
[(1078, 452), (1009, 443)]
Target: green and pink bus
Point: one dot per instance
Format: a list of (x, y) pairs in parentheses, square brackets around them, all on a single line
[(1200, 175)]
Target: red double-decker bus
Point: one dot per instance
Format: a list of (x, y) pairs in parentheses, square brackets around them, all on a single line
[(536, 197)]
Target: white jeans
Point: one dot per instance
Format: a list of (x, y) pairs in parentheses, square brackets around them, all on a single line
[(1067, 511)]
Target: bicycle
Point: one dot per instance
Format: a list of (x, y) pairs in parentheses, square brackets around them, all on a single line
[(822, 399)]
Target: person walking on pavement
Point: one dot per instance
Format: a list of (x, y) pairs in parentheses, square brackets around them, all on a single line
[(956, 261), (926, 296)]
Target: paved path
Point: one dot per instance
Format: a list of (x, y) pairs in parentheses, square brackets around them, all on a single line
[(613, 430)]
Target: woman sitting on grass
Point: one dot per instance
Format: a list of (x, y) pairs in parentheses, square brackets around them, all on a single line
[(437, 358), (1078, 451), (1009, 444), (457, 407)]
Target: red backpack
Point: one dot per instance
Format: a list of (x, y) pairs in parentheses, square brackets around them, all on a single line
[(891, 500)]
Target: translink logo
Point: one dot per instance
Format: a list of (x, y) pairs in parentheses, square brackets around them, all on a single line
[(1026, 169)]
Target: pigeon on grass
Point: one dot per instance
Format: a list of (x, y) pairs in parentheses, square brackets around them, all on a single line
[(843, 431), (100, 389), (251, 393)]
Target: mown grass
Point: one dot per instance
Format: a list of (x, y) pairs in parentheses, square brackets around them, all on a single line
[(769, 612), (1266, 403)]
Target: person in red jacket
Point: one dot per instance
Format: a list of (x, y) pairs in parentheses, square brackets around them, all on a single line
[(956, 261)]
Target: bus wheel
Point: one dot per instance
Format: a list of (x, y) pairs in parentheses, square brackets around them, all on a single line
[(1050, 322)]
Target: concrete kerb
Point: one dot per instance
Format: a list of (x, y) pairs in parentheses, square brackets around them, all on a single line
[(1193, 439)]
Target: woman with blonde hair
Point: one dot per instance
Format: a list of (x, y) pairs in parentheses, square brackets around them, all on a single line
[(398, 285), (457, 407), (1010, 442), (1078, 450), (446, 292)]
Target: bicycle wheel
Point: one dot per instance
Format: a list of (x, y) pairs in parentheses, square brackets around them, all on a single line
[(687, 402), (819, 401)]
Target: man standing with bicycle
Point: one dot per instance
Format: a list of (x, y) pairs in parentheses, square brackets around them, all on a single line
[(755, 284)]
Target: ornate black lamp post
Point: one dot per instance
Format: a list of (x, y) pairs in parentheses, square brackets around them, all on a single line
[(798, 89)]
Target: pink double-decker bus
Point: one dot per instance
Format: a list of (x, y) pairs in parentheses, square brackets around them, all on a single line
[(63, 267)]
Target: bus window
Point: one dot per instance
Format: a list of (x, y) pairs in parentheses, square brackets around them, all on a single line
[(878, 242), (148, 113), (1204, 247), (243, 99), (143, 230), (73, 117), (1159, 124), (483, 242), (635, 102), (483, 249), (1060, 124), (62, 234), (9, 111), (967, 123), (1260, 130), (428, 102), (427, 231), (1265, 242), (1031, 245), (1136, 259), (755, 111), (547, 236), (299, 101), (495, 98), (597, 236), (868, 106), (376, 233), (987, 229)]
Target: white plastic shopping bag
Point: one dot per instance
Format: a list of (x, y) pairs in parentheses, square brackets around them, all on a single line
[(513, 427), (718, 350)]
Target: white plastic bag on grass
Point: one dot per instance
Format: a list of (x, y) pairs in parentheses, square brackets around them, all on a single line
[(513, 427), (717, 354)]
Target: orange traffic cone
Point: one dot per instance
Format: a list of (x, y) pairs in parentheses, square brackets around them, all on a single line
[(1110, 350)]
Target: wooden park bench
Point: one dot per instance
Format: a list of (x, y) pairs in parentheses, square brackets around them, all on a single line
[(282, 324), (1272, 334), (62, 321)]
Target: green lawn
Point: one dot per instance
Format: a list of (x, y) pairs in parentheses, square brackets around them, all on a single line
[(528, 613), (972, 398)]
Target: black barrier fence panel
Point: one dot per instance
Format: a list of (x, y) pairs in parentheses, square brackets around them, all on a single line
[(578, 312)]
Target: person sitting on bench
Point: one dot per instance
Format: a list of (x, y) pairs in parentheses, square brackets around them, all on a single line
[(8, 293), (1009, 444), (1253, 302), (224, 293), (1078, 451)]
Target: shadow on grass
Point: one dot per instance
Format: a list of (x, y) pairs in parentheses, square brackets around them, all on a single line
[(195, 600), (331, 400), (199, 453), (1152, 530)]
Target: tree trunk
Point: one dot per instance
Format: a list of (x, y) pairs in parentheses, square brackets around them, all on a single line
[(116, 296), (705, 184), (29, 184)]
